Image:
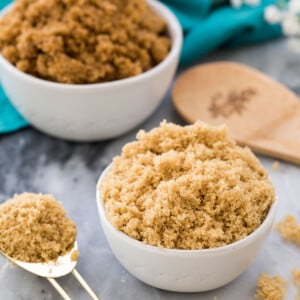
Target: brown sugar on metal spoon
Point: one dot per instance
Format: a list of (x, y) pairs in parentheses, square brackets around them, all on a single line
[(34, 228), (36, 235)]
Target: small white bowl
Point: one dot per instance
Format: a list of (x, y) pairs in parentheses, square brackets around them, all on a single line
[(184, 270), (97, 111)]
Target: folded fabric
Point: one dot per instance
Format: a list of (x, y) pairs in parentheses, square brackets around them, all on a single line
[(206, 27), (10, 119)]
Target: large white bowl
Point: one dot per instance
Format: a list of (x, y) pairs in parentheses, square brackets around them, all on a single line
[(93, 111), (184, 270)]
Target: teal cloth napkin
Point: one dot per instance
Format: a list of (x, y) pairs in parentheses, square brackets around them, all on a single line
[(10, 119), (206, 27)]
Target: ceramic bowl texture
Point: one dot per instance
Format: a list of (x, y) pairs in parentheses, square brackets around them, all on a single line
[(97, 111), (184, 270)]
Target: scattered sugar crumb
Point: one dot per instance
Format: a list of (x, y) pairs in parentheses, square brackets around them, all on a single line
[(270, 288), (289, 229), (296, 277), (75, 255), (276, 165), (296, 281)]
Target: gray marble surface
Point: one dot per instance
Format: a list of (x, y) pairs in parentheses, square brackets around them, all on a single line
[(31, 161)]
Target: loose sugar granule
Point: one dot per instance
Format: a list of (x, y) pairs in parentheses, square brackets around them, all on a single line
[(296, 281), (270, 288), (289, 229), (276, 165)]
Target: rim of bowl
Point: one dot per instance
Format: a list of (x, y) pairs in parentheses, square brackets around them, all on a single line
[(212, 251), (175, 33)]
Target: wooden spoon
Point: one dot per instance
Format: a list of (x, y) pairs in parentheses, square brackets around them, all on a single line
[(259, 112)]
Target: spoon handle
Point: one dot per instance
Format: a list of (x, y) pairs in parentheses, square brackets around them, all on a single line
[(60, 290), (280, 138), (84, 284)]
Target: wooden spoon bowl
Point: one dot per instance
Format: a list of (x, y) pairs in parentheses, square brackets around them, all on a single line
[(259, 112)]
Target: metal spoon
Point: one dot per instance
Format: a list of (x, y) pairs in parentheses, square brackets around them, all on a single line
[(55, 269)]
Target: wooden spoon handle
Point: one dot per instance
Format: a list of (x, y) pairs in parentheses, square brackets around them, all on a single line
[(280, 139)]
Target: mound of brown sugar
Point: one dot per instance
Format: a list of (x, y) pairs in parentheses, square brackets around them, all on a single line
[(83, 41), (289, 229), (296, 281), (270, 288), (186, 187), (34, 228)]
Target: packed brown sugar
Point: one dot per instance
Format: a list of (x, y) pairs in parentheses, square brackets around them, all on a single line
[(83, 41), (34, 228), (186, 187)]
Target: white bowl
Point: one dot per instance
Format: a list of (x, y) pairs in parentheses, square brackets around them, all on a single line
[(184, 270), (93, 111)]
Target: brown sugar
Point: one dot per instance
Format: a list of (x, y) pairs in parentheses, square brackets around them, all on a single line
[(289, 229), (187, 187), (34, 228), (296, 277), (270, 288), (83, 41), (296, 280), (75, 255), (276, 165)]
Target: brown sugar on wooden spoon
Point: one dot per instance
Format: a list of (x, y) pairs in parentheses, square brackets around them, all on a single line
[(258, 111)]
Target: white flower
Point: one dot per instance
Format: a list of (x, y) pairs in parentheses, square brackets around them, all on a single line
[(236, 3), (294, 45), (294, 6), (252, 2), (290, 25), (239, 3), (288, 17), (272, 14)]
